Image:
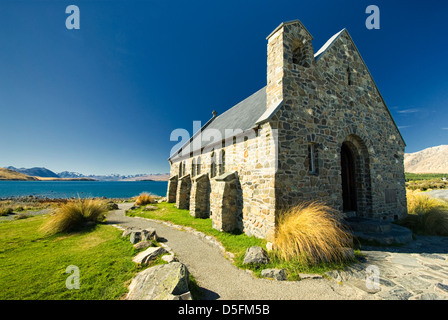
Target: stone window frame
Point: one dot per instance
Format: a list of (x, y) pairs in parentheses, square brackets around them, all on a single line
[(198, 166), (297, 51), (348, 75), (180, 169), (193, 167), (222, 166), (213, 165), (313, 160)]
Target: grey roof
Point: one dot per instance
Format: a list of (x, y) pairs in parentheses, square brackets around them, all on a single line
[(243, 116)]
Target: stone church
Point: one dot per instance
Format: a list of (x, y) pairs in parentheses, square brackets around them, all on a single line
[(319, 130)]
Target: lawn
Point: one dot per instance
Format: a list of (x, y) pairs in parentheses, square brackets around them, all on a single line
[(235, 243), (33, 266)]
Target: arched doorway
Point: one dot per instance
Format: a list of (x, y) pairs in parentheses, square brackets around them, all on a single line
[(348, 179), (355, 178)]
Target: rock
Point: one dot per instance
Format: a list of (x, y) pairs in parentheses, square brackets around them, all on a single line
[(442, 288), (127, 232), (112, 205), (149, 234), (161, 282), (135, 236), (143, 245), (304, 276), (149, 254), (277, 274), (169, 258), (269, 246), (256, 255)]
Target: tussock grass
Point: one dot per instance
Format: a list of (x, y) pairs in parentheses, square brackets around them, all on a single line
[(312, 233), (144, 198), (4, 211), (75, 214), (427, 215)]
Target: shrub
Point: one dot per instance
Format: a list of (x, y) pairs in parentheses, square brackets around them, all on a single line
[(21, 216), (144, 199), (426, 215), (4, 211), (312, 232), (75, 214)]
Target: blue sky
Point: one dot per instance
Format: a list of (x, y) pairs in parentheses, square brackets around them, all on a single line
[(105, 98)]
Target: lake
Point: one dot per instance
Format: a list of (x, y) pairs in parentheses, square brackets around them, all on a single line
[(83, 189)]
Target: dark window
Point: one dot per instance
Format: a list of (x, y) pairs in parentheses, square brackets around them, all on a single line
[(213, 166), (222, 167), (348, 76), (312, 158), (198, 166)]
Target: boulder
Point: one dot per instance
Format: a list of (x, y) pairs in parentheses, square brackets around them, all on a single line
[(161, 282), (149, 234), (135, 236), (277, 274), (256, 255), (149, 254), (169, 258), (127, 232), (143, 245)]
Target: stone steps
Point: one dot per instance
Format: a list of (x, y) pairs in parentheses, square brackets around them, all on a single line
[(381, 232)]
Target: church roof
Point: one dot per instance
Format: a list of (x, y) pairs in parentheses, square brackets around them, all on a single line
[(243, 116)]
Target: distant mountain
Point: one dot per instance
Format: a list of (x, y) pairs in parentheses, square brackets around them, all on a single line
[(150, 177), (7, 174), (35, 172), (70, 175), (117, 177), (45, 173), (430, 160)]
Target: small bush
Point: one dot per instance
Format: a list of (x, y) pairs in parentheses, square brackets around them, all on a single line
[(426, 215), (4, 211), (311, 232), (144, 199), (75, 214), (21, 216)]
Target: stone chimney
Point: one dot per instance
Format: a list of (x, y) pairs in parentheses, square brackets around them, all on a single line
[(289, 52)]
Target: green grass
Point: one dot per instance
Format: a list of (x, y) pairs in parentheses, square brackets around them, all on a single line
[(33, 266), (426, 181), (425, 176), (235, 243)]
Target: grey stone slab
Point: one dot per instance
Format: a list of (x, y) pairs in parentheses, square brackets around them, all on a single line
[(398, 293), (405, 260), (442, 288), (429, 296)]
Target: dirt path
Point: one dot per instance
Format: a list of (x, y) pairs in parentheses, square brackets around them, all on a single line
[(220, 279)]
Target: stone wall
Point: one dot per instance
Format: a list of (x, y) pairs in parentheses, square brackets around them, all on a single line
[(200, 196), (253, 158)]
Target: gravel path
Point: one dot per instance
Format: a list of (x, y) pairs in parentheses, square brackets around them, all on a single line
[(220, 279), (441, 194), (418, 270)]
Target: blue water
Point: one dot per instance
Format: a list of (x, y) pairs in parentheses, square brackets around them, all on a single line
[(83, 189)]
